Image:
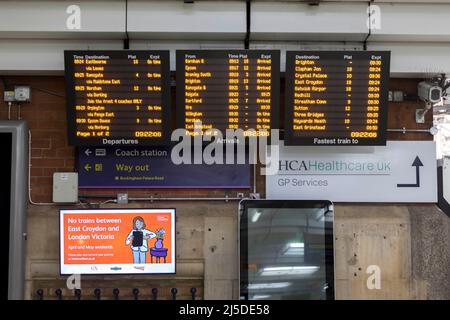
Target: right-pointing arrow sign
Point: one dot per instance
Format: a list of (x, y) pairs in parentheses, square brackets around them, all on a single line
[(416, 163)]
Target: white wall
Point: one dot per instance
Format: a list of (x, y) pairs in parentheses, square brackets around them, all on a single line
[(211, 20), (300, 21), (33, 34), (47, 19), (413, 22)]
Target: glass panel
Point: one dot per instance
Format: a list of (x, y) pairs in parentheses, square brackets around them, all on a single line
[(288, 252)]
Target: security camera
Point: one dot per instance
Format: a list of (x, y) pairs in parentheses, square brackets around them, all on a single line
[(429, 92)]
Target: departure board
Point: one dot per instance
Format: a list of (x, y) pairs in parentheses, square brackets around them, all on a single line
[(336, 97), (233, 89), (118, 97)]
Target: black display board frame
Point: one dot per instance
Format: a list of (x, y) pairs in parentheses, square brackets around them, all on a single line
[(98, 141), (289, 137), (275, 83)]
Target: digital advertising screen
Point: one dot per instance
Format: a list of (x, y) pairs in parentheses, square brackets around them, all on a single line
[(118, 97), (117, 241), (228, 89), (336, 97)]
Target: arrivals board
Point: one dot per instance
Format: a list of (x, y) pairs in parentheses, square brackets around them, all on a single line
[(118, 97), (232, 89), (336, 97)]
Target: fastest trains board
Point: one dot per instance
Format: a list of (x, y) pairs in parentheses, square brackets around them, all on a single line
[(336, 97)]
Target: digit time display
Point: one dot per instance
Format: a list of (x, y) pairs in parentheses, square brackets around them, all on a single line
[(336, 97), (234, 89), (118, 97)]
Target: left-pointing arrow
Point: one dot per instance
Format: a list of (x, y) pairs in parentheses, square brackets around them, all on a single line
[(88, 152), (87, 167)]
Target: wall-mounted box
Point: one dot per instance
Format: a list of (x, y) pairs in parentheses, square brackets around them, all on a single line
[(22, 93), (8, 96), (65, 187), (398, 96)]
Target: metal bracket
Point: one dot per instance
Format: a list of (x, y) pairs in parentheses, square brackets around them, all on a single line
[(420, 115), (255, 196), (122, 198)]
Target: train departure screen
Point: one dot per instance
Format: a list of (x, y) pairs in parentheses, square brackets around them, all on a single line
[(118, 97), (336, 98)]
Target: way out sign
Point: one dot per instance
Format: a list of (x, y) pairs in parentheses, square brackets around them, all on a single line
[(402, 171)]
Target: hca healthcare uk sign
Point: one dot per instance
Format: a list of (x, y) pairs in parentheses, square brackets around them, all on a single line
[(402, 171)]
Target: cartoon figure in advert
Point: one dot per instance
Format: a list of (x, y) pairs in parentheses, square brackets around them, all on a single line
[(138, 239)]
